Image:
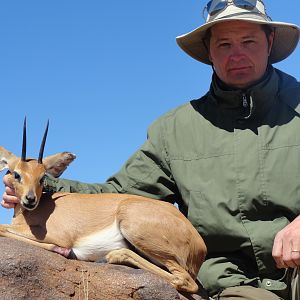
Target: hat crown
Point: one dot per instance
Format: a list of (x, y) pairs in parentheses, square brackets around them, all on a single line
[(231, 10), (286, 35)]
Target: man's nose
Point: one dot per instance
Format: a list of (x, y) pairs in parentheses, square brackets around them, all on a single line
[(236, 53)]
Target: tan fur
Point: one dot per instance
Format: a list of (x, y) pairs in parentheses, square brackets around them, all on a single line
[(155, 229)]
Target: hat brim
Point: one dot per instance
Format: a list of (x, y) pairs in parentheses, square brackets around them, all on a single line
[(285, 39)]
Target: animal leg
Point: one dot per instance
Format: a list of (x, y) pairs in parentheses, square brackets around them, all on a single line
[(165, 238), (178, 278), (182, 280), (23, 234)]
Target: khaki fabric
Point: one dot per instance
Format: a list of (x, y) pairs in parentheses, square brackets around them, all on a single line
[(246, 293), (252, 293), (231, 161)]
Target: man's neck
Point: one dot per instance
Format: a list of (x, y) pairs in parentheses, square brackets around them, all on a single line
[(226, 87)]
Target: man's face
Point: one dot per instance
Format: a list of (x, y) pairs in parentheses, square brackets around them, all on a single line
[(239, 52)]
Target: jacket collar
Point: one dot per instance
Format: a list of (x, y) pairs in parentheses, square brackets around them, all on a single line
[(253, 102)]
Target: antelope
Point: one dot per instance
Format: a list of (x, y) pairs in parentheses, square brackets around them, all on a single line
[(118, 228)]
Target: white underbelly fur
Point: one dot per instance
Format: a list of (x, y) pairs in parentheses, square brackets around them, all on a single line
[(97, 245)]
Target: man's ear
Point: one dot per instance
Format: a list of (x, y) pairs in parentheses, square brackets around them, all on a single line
[(206, 43), (270, 42), (210, 58), (56, 164)]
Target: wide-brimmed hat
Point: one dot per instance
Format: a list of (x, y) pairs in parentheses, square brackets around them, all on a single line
[(286, 35)]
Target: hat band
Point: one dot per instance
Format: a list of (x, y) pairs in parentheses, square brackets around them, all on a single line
[(256, 15)]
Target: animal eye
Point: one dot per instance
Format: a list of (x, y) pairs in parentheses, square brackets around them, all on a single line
[(17, 176), (42, 180)]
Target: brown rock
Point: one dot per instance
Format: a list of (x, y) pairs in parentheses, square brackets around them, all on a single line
[(28, 272)]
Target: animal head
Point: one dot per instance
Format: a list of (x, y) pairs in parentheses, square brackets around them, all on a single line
[(27, 174)]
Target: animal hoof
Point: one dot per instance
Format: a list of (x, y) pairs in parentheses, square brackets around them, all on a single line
[(102, 260)]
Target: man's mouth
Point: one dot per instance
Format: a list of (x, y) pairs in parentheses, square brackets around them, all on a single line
[(236, 69)]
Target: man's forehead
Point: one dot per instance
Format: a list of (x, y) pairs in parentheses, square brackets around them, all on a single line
[(240, 28)]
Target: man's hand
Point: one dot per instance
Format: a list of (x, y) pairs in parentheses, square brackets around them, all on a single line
[(9, 198), (286, 248)]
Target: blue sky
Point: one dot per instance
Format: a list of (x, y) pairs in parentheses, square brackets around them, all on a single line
[(101, 71)]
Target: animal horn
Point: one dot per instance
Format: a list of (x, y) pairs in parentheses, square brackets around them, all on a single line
[(40, 159), (23, 157)]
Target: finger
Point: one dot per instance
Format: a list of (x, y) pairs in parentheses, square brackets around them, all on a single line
[(280, 263), (289, 262), (6, 180), (9, 198), (295, 251), (277, 251), (7, 204), (287, 251), (291, 252), (10, 191), (282, 254), (296, 258)]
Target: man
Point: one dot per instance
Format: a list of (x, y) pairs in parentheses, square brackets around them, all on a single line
[(231, 159)]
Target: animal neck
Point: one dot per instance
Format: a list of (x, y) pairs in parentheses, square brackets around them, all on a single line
[(18, 210)]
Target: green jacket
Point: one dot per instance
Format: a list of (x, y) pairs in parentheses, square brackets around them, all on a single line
[(231, 160)]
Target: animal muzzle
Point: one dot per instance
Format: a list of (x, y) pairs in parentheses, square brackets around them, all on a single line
[(29, 202)]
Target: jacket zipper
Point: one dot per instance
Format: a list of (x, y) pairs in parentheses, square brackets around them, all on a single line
[(245, 102)]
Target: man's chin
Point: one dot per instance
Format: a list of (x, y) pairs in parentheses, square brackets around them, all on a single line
[(242, 81)]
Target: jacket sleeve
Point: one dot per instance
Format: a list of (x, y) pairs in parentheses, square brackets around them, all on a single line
[(146, 173)]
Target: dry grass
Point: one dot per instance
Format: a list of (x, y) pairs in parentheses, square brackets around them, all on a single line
[(84, 286)]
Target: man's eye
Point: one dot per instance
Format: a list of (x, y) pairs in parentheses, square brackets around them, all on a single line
[(224, 45), (248, 42)]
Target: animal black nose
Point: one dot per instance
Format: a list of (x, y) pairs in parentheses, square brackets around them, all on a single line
[(30, 198)]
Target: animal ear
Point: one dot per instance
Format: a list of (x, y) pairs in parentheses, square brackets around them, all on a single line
[(6, 158), (56, 164)]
